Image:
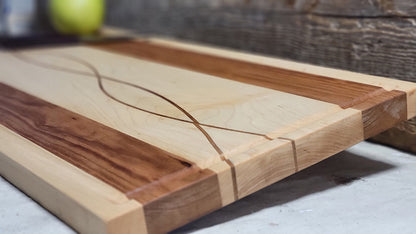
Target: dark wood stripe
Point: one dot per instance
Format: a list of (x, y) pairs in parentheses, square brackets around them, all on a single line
[(120, 160), (343, 93), (383, 111), (100, 77), (192, 194)]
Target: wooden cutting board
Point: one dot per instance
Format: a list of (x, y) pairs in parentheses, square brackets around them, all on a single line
[(147, 135)]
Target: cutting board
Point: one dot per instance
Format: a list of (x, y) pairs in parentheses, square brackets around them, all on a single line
[(146, 135)]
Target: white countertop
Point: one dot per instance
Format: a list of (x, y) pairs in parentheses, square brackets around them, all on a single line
[(366, 189)]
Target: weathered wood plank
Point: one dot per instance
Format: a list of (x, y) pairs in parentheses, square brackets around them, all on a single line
[(371, 8), (363, 39)]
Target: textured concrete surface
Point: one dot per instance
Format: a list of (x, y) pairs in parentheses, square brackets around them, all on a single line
[(367, 189)]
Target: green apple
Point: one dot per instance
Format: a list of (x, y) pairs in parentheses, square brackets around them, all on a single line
[(76, 17)]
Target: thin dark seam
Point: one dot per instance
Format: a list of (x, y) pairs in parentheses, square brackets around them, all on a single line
[(101, 86), (138, 87), (194, 121), (295, 156)]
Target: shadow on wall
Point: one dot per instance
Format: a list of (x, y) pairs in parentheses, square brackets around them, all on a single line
[(339, 170)]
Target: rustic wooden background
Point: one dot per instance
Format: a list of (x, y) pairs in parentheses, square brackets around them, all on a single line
[(376, 37)]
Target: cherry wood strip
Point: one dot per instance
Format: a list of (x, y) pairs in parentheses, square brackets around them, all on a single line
[(341, 92), (383, 111), (83, 201), (197, 194), (124, 162), (379, 107)]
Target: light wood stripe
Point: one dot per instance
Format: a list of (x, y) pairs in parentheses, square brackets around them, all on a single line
[(81, 200), (367, 98), (116, 158), (386, 83), (142, 171), (171, 190), (341, 92)]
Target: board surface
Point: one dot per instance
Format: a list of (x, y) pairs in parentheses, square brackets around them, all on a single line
[(147, 135)]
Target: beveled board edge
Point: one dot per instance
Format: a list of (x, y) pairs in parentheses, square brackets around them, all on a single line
[(90, 147), (388, 101), (89, 207), (94, 206), (292, 146)]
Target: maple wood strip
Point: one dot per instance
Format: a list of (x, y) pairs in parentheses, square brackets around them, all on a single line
[(227, 183), (310, 135), (116, 158), (341, 92), (326, 137), (263, 165), (81, 200), (385, 83), (377, 117), (144, 172)]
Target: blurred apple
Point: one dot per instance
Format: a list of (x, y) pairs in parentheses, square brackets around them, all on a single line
[(76, 17)]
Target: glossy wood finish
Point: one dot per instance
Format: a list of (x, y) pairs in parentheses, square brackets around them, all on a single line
[(174, 131)]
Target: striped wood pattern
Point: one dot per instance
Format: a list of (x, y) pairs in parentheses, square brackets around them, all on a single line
[(346, 94), (173, 130)]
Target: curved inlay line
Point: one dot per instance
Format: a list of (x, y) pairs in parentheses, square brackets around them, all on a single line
[(99, 77)]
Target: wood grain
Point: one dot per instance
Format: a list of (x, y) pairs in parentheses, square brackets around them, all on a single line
[(123, 162), (403, 136), (383, 112), (373, 37), (340, 92), (122, 10), (346, 94), (200, 197), (267, 163), (142, 116), (326, 137), (84, 202), (235, 109), (117, 159), (387, 84)]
